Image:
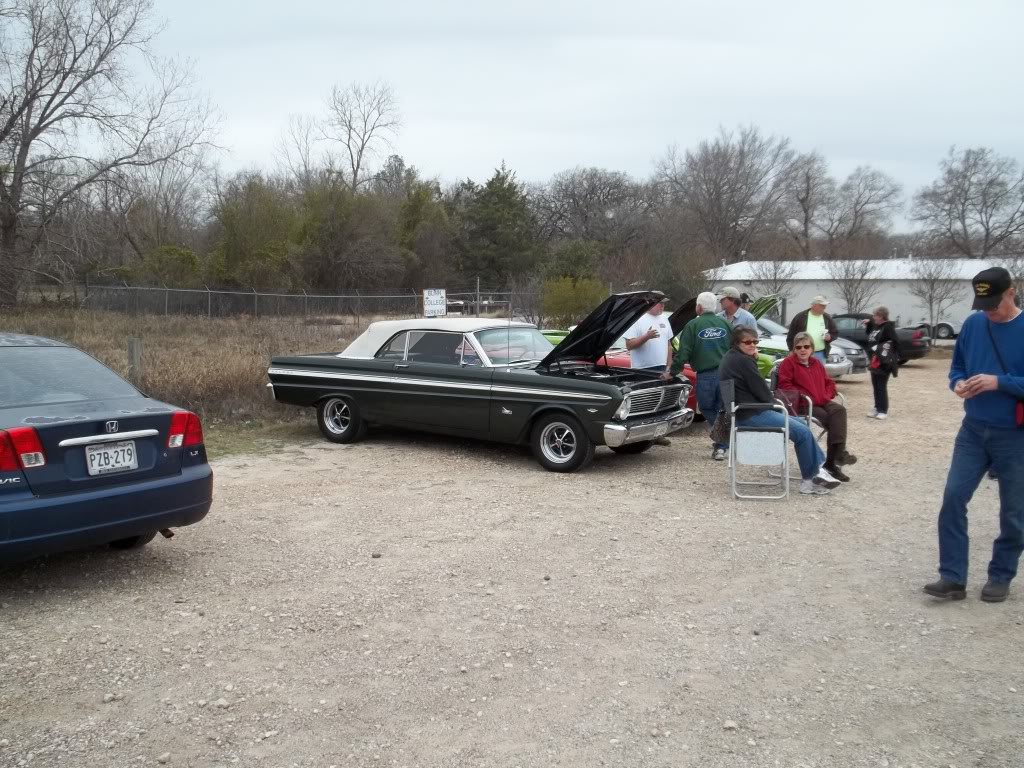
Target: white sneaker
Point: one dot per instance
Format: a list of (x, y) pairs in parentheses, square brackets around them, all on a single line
[(882, 416), (718, 454), (824, 478), (810, 487), (872, 414)]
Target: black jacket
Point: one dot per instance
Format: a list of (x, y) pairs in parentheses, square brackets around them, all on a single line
[(749, 384), (877, 336), (799, 324)]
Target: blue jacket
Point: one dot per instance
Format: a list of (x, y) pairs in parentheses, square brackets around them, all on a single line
[(975, 354)]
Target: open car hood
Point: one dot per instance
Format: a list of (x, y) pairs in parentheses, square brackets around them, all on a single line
[(599, 330), (682, 316)]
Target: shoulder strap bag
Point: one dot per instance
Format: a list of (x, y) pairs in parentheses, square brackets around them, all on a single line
[(1006, 371)]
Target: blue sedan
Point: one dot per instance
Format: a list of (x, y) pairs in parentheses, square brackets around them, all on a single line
[(87, 459)]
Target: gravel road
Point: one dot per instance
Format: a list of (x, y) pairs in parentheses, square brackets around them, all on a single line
[(418, 601)]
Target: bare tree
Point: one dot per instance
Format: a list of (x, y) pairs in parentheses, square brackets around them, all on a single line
[(811, 192), (732, 185), (593, 204), (364, 120), (976, 206), (856, 281), (936, 285), (861, 206), (774, 278), (71, 112), (298, 152)]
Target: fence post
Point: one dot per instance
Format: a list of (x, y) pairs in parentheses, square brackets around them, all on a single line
[(166, 296), (359, 309), (209, 301), (305, 304), (135, 361), (255, 304), (417, 308), (478, 295)]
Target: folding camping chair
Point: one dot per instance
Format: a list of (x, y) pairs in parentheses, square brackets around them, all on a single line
[(756, 446)]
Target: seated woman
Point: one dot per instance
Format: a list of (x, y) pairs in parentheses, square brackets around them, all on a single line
[(802, 373), (749, 386)]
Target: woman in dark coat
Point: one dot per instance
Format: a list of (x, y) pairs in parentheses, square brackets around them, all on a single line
[(883, 349)]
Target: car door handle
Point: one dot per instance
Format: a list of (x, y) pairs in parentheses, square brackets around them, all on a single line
[(401, 365)]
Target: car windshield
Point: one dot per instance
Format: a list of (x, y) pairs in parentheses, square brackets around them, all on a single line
[(49, 375), (772, 327), (512, 345)]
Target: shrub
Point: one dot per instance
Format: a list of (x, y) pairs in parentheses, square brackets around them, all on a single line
[(567, 301)]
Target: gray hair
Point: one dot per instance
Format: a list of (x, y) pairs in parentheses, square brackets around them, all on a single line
[(803, 336), (707, 301), (883, 311)]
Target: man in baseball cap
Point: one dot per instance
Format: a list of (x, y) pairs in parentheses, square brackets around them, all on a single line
[(987, 373), (989, 286), (818, 323), (733, 311)]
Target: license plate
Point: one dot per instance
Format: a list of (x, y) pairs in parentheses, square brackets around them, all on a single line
[(111, 457), (660, 430)]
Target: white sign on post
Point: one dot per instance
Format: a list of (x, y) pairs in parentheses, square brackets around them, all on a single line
[(435, 302)]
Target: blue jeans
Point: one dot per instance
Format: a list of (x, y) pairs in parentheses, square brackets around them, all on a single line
[(821, 356), (808, 454), (709, 399), (977, 448)]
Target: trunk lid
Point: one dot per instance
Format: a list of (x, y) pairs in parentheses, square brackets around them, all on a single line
[(96, 444)]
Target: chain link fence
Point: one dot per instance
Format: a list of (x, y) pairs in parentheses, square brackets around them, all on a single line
[(354, 307)]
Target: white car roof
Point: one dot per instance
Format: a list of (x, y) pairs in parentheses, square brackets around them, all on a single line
[(374, 337)]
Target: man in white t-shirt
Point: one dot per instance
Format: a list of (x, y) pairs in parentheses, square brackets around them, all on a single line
[(649, 340)]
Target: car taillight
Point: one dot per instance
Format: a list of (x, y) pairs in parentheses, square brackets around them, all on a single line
[(186, 430), (20, 448), (918, 334)]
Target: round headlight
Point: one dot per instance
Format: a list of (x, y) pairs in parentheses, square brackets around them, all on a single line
[(684, 394), (623, 409)]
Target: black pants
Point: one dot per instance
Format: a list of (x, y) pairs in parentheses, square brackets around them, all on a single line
[(880, 383)]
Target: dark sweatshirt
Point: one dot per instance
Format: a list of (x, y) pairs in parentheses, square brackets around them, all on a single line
[(749, 384)]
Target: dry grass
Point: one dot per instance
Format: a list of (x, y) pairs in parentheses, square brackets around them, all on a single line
[(215, 367)]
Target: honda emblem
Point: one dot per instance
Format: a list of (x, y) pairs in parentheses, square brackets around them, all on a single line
[(111, 426)]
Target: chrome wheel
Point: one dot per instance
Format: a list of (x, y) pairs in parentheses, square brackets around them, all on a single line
[(337, 417), (558, 443), (944, 332)]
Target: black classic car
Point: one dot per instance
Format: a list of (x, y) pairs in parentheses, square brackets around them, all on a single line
[(914, 343), (492, 380)]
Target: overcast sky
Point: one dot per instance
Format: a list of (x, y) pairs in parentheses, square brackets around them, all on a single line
[(547, 86)]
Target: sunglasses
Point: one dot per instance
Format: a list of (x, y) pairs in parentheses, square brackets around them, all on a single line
[(803, 346), (749, 342)]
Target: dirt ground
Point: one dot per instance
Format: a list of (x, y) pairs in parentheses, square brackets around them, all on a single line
[(630, 615)]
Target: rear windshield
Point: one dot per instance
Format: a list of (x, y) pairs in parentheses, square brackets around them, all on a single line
[(42, 375)]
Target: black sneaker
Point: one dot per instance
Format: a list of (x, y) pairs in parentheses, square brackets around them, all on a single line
[(946, 590), (994, 592), (837, 473), (846, 458)]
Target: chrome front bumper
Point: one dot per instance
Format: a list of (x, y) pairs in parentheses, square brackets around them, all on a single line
[(647, 429)]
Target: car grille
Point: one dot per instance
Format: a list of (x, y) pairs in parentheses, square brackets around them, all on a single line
[(652, 400)]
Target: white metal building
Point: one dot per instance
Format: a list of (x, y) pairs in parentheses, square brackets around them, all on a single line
[(894, 277)]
